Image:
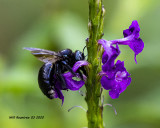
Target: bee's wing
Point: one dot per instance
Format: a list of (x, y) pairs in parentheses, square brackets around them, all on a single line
[(45, 55)]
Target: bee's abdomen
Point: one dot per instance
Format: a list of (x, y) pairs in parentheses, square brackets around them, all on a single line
[(44, 80)]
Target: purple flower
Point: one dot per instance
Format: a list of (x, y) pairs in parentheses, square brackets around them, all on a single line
[(71, 84), (116, 80), (115, 77), (109, 55), (131, 38)]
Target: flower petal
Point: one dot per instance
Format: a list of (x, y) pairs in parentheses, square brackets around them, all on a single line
[(58, 93), (107, 83), (133, 29), (76, 66), (73, 84), (131, 38), (109, 55), (125, 82), (70, 82), (60, 96), (137, 46), (114, 94), (116, 79), (110, 58)]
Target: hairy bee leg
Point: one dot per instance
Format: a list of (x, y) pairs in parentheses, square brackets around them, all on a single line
[(83, 70), (60, 77), (80, 74), (68, 68)]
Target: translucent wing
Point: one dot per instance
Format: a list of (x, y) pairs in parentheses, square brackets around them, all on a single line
[(45, 55)]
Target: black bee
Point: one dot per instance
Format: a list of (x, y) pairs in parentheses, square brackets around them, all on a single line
[(55, 64)]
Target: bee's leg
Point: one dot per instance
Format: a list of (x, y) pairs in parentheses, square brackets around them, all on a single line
[(83, 70), (68, 68), (59, 76), (53, 76), (80, 74)]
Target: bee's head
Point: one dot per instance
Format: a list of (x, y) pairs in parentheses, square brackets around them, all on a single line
[(79, 55)]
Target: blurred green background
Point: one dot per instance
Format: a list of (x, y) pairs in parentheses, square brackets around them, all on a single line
[(61, 24)]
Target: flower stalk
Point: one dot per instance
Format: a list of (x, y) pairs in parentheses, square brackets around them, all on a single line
[(93, 85)]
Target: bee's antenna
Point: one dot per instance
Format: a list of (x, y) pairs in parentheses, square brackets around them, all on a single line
[(86, 56), (84, 49)]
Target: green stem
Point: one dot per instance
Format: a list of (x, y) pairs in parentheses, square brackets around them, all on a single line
[(93, 86)]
